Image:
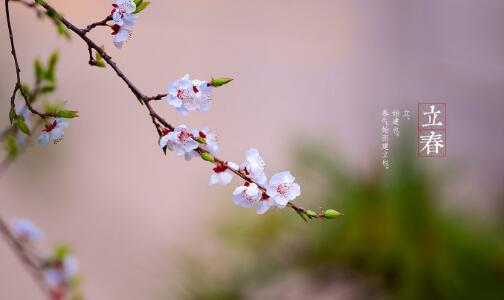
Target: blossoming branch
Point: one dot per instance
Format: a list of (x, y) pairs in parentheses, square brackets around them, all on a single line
[(184, 95)]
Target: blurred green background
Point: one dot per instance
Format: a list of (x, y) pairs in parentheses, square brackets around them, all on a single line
[(394, 242)]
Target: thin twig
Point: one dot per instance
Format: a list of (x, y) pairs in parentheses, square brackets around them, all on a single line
[(18, 85), (157, 97), (95, 24)]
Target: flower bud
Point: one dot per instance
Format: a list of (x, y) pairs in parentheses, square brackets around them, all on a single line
[(331, 214), (220, 81), (200, 140), (207, 156), (311, 213)]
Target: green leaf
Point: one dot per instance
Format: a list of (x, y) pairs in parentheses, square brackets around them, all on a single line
[(39, 69), (62, 30), (11, 147), (101, 64), (143, 5), (99, 59), (12, 114), (50, 74), (220, 81), (67, 114), (137, 2), (303, 216), (47, 89), (61, 251), (53, 107), (25, 89), (20, 123)]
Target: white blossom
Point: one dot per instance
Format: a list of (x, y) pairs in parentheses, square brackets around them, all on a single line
[(189, 95), (180, 140), (222, 175), (121, 35), (211, 140), (283, 189), (25, 230), (247, 195), (254, 166), (52, 131), (202, 93), (123, 12)]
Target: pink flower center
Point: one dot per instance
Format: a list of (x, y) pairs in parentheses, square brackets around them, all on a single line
[(184, 95), (282, 189), (246, 196), (184, 136)]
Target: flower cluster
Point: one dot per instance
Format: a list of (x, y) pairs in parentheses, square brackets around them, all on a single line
[(124, 19), (124, 14), (189, 95), (280, 190), (58, 271)]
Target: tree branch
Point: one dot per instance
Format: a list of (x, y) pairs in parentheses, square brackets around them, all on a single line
[(29, 260), (156, 118)]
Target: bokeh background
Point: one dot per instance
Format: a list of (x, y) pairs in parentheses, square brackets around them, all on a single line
[(312, 78)]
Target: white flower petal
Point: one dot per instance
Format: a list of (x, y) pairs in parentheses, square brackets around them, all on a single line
[(233, 165), (70, 266), (179, 150), (56, 133), (117, 17), (26, 229), (225, 178), (52, 277), (182, 111), (163, 142), (294, 190), (214, 179), (189, 155), (61, 123), (174, 101), (43, 138), (280, 200), (282, 177), (252, 154), (118, 45), (129, 20), (262, 207)]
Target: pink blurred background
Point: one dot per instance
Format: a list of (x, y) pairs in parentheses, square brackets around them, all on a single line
[(304, 70)]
